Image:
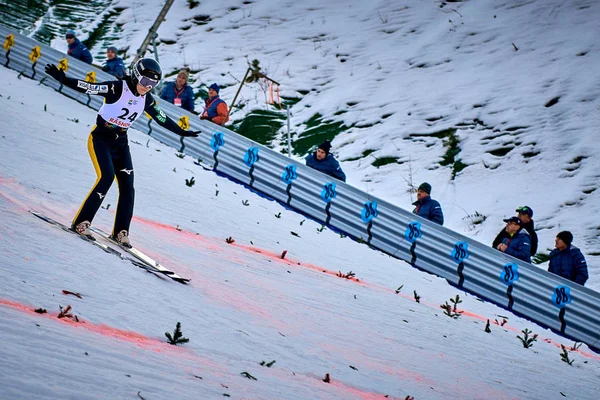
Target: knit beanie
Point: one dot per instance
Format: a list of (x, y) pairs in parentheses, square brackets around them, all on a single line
[(566, 237), (215, 87), (325, 146), (70, 32), (185, 73), (112, 48), (426, 187)]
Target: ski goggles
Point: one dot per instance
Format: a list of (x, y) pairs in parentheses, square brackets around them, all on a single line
[(144, 80), (147, 82)]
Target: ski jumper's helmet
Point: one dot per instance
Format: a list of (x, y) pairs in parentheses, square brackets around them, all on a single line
[(147, 72)]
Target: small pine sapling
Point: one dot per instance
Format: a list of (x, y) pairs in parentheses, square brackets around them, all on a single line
[(565, 355), (278, 215), (247, 375), (327, 378), (348, 275), (177, 337), (190, 182), (399, 289), (417, 297), (267, 364), (65, 313), (487, 327), (451, 310), (575, 346), (526, 339), (245, 202), (229, 240)]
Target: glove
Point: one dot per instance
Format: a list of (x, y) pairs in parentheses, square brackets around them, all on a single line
[(55, 72), (190, 133)]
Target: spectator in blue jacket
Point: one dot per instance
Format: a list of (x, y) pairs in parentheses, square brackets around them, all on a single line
[(525, 214), (566, 260), (76, 48), (426, 207), (114, 65), (179, 92), (215, 109), (518, 242), (322, 160)]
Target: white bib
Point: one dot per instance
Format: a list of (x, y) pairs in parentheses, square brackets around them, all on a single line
[(125, 111)]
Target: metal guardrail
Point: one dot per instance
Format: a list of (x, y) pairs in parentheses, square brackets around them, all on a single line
[(551, 301)]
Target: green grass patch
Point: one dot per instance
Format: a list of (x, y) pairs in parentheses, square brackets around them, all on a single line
[(384, 161), (260, 125), (318, 130), (540, 258)]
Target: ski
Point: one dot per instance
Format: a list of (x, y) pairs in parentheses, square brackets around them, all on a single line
[(148, 266), (65, 228), (141, 257)]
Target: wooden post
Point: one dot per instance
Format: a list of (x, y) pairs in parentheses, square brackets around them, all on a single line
[(238, 91), (161, 16)]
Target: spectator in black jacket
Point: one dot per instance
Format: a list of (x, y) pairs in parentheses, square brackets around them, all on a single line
[(525, 214)]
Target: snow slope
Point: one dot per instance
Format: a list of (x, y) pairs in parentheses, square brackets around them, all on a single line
[(245, 304), (517, 79)]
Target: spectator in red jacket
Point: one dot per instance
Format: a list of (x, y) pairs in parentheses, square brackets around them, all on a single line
[(215, 109)]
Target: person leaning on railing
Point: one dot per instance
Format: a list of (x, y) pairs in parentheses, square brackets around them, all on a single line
[(517, 242), (567, 260), (77, 49), (215, 109), (322, 160), (426, 207)]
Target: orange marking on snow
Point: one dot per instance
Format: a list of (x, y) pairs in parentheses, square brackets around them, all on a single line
[(291, 262), (360, 393), (163, 226), (105, 330)]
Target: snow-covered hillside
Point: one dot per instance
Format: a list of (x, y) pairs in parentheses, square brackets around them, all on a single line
[(245, 306)]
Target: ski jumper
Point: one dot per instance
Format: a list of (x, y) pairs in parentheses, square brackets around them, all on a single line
[(109, 148)]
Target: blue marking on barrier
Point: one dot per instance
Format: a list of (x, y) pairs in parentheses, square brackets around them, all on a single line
[(328, 193), (369, 211), (561, 296), (251, 156), (289, 174), (218, 140), (413, 231), (460, 252), (509, 273)]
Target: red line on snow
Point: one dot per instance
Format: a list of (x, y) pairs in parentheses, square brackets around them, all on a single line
[(102, 329)]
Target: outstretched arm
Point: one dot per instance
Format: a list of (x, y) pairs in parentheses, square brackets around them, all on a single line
[(101, 88), (162, 119)]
